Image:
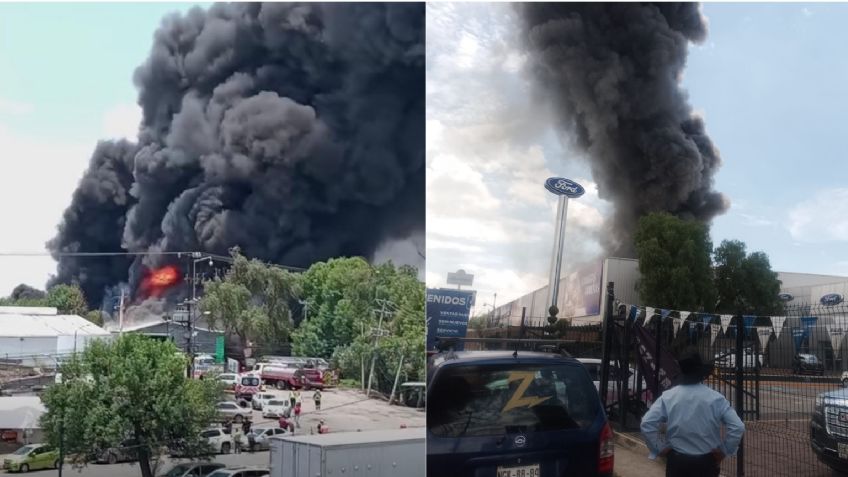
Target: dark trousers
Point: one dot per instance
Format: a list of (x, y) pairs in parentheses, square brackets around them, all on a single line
[(682, 465)]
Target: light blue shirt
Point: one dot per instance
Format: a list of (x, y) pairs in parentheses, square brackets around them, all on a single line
[(694, 415)]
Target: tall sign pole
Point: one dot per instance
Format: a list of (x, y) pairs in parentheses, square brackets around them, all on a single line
[(564, 189)]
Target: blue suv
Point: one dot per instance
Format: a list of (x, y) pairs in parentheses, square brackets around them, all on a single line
[(514, 414)]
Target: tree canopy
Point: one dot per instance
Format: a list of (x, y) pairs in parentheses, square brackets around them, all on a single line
[(134, 388), (745, 282), (674, 263), (679, 270), (252, 302), (67, 299)]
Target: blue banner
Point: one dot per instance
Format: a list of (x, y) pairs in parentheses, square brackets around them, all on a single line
[(664, 313), (447, 315), (706, 319), (800, 334), (634, 312)]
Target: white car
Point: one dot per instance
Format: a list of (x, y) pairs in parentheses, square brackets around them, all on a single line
[(229, 380), (230, 411), (241, 472), (262, 437), (275, 408), (261, 399), (219, 440), (593, 365)]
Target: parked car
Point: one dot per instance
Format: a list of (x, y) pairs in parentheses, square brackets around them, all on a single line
[(32, 457), (523, 413), (276, 408), (242, 472), (230, 411), (829, 429), (262, 436), (123, 452), (202, 469), (229, 380), (260, 400), (214, 441), (807, 364), (726, 360)]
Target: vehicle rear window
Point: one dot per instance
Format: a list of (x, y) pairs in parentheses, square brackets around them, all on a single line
[(487, 400)]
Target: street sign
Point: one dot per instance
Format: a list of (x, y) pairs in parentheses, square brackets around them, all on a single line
[(219, 349), (460, 278), (563, 186)]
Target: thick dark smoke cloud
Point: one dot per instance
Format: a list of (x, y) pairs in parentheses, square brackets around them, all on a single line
[(613, 71), (295, 131)]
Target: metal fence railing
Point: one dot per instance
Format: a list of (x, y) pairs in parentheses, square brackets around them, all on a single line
[(771, 368)]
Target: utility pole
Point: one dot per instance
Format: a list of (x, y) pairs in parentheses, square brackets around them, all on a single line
[(378, 332)]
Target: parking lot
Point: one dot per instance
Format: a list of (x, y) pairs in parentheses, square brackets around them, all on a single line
[(342, 410)]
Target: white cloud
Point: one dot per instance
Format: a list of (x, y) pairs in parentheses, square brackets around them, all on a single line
[(121, 122), (490, 147), (822, 218), (16, 108)]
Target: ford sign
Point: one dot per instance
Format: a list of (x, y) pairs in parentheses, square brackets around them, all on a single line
[(785, 297), (831, 299), (563, 186)]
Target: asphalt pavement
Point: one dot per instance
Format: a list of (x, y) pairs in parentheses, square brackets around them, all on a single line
[(132, 470)]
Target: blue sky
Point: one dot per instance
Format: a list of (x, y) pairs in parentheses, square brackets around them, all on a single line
[(66, 82), (769, 80)]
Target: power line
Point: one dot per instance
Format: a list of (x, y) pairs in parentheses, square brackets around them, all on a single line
[(222, 258)]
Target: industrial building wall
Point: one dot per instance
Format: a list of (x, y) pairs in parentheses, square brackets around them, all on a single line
[(31, 351)]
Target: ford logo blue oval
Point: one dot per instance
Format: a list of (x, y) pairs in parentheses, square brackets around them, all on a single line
[(520, 441), (563, 186), (786, 297), (831, 299)]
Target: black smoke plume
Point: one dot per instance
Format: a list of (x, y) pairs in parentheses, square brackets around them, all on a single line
[(294, 131), (613, 71)]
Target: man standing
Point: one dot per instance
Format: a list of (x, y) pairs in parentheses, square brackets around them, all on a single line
[(317, 398), (693, 414)]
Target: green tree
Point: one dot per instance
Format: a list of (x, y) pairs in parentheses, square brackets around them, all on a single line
[(252, 302), (344, 296), (674, 263), (745, 282), (68, 299), (95, 317), (133, 388)]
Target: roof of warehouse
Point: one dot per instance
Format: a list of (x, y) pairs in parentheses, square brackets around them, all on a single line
[(20, 412), (17, 324)]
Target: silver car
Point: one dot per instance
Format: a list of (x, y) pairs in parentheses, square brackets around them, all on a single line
[(261, 437), (192, 470)]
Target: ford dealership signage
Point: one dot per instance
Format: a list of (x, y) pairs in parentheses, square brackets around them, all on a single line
[(563, 186), (785, 297), (831, 299)]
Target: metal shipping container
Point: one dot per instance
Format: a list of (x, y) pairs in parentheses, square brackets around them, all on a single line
[(391, 453)]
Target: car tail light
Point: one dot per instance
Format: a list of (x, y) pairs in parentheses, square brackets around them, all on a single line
[(606, 455)]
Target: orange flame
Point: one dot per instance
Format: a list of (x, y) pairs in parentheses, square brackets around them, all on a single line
[(164, 277)]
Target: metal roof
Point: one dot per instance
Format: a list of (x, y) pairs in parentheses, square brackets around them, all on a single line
[(365, 437), (21, 412), (24, 325)]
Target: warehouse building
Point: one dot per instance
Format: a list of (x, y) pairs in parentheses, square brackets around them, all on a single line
[(38, 336)]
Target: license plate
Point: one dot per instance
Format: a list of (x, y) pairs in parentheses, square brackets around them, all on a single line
[(523, 471), (843, 450)]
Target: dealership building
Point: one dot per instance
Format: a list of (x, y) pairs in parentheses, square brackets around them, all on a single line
[(581, 292)]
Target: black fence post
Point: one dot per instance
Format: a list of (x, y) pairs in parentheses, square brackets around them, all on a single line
[(657, 357), (624, 371), (607, 351), (521, 329), (740, 390)]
